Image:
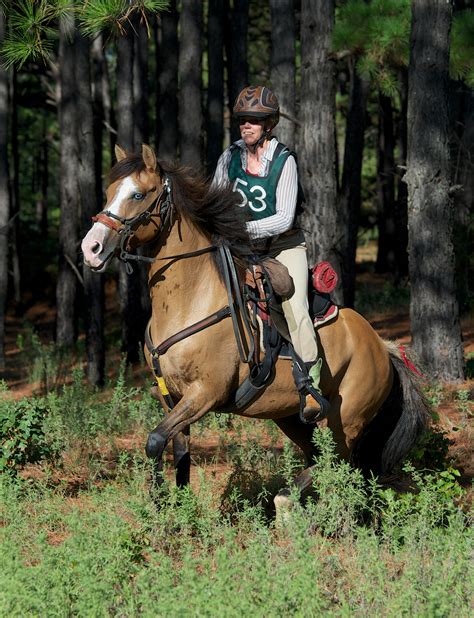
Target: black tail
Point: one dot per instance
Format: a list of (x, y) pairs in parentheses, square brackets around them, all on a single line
[(400, 422)]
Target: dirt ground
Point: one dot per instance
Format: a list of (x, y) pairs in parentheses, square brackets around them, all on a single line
[(207, 451)]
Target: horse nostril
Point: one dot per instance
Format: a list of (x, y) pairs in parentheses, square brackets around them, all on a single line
[(96, 248)]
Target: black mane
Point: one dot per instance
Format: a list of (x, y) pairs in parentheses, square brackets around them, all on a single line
[(213, 210)]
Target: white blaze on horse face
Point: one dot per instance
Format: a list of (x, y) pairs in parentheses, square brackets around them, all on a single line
[(125, 190), (101, 241)]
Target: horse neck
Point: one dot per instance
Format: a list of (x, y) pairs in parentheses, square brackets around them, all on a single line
[(192, 272)]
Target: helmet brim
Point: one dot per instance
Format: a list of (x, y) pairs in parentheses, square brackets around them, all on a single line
[(248, 114)]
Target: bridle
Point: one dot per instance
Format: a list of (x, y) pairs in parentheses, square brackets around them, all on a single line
[(126, 227)]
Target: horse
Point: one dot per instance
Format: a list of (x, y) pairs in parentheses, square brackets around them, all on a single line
[(377, 409)]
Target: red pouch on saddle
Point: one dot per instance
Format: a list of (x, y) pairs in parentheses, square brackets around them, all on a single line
[(324, 277)]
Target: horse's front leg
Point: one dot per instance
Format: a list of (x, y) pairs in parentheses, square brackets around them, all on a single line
[(194, 404), (182, 457)]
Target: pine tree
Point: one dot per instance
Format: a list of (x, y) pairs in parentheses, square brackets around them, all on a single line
[(434, 309), (4, 196)]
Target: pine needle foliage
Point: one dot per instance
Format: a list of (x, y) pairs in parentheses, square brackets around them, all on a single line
[(377, 34), (33, 23), (31, 30), (114, 15), (462, 47)]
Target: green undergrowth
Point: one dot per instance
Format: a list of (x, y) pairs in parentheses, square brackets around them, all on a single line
[(81, 533), (355, 548)]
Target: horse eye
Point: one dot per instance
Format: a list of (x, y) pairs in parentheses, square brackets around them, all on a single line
[(138, 196)]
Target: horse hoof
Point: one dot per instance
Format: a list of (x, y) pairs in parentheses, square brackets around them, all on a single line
[(283, 507), (155, 445)]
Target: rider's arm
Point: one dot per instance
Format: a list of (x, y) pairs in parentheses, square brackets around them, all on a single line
[(286, 194), (221, 178)]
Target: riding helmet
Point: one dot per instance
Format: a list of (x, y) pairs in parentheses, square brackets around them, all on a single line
[(258, 102)]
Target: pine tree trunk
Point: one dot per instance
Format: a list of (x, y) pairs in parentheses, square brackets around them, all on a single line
[(167, 102), (105, 112), (433, 308), (99, 70), (93, 282), (215, 90), (140, 85), (66, 286), (236, 52), (322, 220), (401, 204), (15, 232), (4, 196), (282, 70), (350, 195), (140, 136), (463, 179), (133, 326), (385, 187), (190, 107), (41, 210)]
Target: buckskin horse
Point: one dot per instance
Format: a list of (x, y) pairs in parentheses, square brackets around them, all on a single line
[(190, 228)]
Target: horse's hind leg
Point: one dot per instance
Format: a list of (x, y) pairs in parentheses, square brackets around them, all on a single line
[(302, 435)]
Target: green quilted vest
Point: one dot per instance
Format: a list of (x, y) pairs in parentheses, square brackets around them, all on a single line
[(258, 192)]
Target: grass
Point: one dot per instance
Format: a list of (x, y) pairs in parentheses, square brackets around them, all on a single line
[(81, 534), (110, 551)]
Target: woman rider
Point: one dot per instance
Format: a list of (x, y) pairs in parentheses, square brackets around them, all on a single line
[(265, 173)]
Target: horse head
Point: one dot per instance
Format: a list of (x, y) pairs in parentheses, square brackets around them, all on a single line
[(138, 200)]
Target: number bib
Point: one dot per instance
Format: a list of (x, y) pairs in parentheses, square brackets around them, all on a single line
[(258, 192)]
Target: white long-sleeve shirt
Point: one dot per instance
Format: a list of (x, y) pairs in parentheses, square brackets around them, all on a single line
[(286, 191)]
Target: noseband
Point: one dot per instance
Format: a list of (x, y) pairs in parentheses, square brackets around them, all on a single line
[(126, 227)]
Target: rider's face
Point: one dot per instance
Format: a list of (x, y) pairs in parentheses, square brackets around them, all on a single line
[(251, 129)]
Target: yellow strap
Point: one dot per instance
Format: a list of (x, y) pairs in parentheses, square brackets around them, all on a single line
[(162, 385)]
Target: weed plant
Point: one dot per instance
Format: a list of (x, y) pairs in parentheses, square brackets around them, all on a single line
[(352, 550), (112, 547)]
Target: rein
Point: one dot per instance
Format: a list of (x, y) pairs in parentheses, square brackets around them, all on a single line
[(235, 309)]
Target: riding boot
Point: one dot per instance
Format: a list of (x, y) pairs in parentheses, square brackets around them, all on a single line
[(315, 405)]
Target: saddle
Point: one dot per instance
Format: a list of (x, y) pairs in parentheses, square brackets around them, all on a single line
[(267, 284)]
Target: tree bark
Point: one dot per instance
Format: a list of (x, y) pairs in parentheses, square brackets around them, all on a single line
[(15, 232), (140, 85), (401, 204), (236, 52), (463, 178), (41, 206), (215, 90), (133, 320), (4, 196), (104, 112), (190, 106), (166, 138), (350, 194), (283, 74), (66, 287), (385, 187), (434, 309), (322, 220), (90, 205)]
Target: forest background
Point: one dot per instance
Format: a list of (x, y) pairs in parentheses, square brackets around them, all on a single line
[(376, 98)]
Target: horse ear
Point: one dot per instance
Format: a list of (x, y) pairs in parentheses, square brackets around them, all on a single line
[(120, 153), (149, 157)]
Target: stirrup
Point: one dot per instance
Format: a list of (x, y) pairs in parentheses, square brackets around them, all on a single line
[(309, 417)]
